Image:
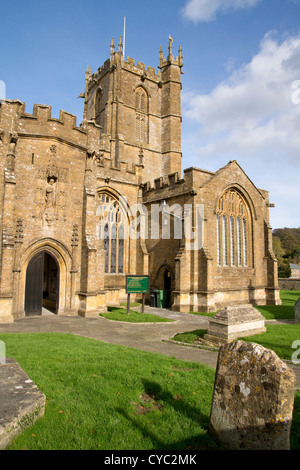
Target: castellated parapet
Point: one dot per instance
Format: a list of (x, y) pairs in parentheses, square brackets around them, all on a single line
[(131, 65), (69, 194), (41, 123), (138, 110), (173, 185)]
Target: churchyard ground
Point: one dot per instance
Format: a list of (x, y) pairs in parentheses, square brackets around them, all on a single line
[(107, 397)]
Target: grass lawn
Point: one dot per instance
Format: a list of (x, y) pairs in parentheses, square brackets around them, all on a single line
[(120, 314), (279, 338), (190, 337), (284, 311), (108, 397), (273, 312)]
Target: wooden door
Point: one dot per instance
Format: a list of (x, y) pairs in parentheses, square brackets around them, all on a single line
[(34, 285)]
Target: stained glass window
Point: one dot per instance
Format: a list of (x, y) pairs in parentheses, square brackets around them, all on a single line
[(111, 229), (233, 230)]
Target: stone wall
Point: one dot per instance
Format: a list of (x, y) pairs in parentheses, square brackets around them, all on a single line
[(128, 146), (289, 284)]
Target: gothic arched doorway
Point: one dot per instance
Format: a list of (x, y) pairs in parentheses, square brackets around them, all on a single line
[(42, 284)]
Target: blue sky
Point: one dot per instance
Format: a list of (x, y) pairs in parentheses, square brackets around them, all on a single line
[(241, 60)]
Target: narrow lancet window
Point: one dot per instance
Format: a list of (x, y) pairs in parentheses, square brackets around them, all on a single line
[(141, 115), (224, 239), (218, 240)]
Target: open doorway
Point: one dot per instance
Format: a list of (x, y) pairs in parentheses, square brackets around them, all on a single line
[(42, 285), (50, 283), (163, 287)]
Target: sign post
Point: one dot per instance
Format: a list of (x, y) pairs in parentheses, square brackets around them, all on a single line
[(136, 285)]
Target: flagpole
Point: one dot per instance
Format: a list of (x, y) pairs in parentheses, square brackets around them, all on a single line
[(124, 37)]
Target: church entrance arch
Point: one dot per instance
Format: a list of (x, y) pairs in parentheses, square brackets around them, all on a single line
[(42, 284)]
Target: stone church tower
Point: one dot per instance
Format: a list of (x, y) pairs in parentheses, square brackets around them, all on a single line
[(139, 112), (82, 206)]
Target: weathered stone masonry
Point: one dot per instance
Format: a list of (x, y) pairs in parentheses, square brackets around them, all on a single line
[(58, 178)]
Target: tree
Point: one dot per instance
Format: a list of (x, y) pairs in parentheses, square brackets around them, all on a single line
[(286, 247), (284, 269), (296, 254), (277, 247)]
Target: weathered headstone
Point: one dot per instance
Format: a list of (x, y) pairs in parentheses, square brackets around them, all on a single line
[(297, 311), (253, 398), (234, 322)]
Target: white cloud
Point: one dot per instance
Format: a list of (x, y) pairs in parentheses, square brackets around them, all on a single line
[(254, 106), (206, 10), (2, 90), (252, 117)]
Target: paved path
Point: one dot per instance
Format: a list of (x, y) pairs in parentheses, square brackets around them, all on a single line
[(146, 336)]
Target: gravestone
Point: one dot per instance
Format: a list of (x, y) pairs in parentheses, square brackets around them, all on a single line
[(253, 398), (297, 311), (21, 403), (234, 322)]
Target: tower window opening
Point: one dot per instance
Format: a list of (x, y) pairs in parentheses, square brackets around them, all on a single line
[(141, 115)]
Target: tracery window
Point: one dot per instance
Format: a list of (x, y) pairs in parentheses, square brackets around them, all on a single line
[(111, 229), (98, 102), (141, 115), (233, 230)]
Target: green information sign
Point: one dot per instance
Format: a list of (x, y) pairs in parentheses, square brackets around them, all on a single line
[(137, 284)]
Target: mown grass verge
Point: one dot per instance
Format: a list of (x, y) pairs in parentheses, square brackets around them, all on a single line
[(107, 397), (120, 314)]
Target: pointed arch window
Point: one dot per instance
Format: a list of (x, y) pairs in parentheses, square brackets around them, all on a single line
[(239, 241), (112, 230), (232, 254), (234, 239), (98, 102), (141, 115), (219, 240), (224, 239), (245, 251)]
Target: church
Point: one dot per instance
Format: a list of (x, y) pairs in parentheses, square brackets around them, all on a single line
[(84, 205)]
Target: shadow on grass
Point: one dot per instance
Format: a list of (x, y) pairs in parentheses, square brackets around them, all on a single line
[(277, 312), (201, 441), (189, 336)]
